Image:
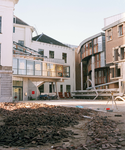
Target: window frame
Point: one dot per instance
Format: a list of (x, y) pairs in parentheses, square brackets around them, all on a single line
[(65, 59), (118, 28), (108, 34), (51, 54)]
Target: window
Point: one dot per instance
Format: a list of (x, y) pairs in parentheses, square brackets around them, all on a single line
[(61, 88), (13, 29), (109, 35), (41, 52), (116, 55), (64, 56), (0, 24), (97, 57), (100, 74), (14, 20), (14, 66), (122, 53), (68, 88), (66, 71), (37, 68), (22, 66), (30, 67), (90, 45), (21, 42), (112, 72), (51, 54), (120, 30)]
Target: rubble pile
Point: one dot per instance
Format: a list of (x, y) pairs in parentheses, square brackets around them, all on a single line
[(37, 124), (103, 134)]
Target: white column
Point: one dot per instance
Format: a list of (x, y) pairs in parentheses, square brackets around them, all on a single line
[(81, 76), (93, 71)]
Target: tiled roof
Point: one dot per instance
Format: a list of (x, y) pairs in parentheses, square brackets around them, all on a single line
[(19, 21), (46, 39)]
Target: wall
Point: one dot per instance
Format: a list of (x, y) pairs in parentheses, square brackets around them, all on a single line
[(58, 50), (116, 41), (6, 11)]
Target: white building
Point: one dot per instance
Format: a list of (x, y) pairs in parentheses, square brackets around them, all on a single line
[(39, 63)]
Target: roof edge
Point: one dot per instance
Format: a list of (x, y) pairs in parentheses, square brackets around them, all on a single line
[(88, 39), (114, 24)]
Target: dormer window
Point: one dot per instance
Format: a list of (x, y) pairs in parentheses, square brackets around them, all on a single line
[(109, 35), (120, 30)]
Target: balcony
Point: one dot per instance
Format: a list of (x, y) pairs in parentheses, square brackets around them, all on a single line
[(25, 67)]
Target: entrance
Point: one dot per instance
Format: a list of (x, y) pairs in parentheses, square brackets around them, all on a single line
[(18, 93)]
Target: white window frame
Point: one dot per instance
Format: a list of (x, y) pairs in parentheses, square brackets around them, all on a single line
[(108, 35), (119, 35)]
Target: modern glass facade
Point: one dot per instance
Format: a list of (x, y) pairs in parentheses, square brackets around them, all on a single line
[(38, 68)]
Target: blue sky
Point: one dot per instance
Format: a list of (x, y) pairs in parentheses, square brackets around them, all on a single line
[(68, 21)]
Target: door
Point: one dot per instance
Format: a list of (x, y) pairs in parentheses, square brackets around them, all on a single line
[(18, 93)]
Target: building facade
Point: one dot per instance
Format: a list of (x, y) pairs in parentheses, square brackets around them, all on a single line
[(115, 49), (33, 65), (6, 52), (93, 65)]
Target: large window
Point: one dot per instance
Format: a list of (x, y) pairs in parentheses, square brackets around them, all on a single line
[(51, 54), (64, 56), (22, 66), (30, 67), (41, 52), (68, 88), (0, 24)]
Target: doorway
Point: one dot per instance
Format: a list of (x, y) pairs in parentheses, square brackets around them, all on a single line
[(18, 93)]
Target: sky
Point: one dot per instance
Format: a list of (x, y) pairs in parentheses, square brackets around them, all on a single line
[(68, 21)]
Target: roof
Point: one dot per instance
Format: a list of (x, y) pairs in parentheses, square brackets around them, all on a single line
[(89, 39), (19, 21), (46, 39), (114, 24)]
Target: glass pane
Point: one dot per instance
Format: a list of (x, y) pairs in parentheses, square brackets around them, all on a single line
[(30, 66), (22, 66), (37, 68), (44, 71), (59, 68)]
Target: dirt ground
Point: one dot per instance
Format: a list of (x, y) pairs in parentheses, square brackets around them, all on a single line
[(80, 131)]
